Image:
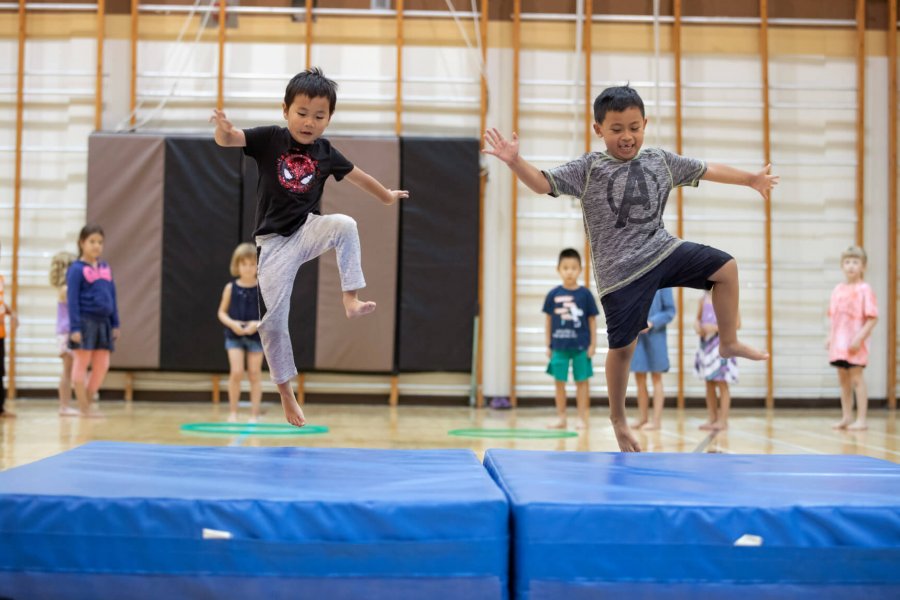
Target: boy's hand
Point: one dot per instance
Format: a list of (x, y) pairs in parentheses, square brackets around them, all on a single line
[(221, 121), (505, 150), (237, 328), (75, 337), (251, 327), (592, 350), (764, 181), (397, 195)]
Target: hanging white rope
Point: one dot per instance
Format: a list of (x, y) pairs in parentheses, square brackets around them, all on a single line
[(656, 69), (476, 48), (579, 72), (187, 52)]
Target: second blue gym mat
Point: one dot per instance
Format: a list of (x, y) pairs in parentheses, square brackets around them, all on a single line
[(591, 525)]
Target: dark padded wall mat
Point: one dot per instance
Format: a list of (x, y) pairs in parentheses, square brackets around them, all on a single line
[(302, 323), (125, 197), (364, 344), (201, 229), (438, 254)]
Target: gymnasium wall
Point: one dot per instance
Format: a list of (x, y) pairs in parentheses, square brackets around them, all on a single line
[(813, 134), (175, 207)]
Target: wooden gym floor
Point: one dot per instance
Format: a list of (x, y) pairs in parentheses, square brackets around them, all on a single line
[(39, 432)]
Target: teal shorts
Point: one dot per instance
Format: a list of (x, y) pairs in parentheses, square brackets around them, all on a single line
[(559, 365)]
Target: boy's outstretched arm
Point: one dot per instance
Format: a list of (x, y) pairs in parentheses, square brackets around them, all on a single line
[(508, 152), (762, 182), (366, 182), (226, 134)]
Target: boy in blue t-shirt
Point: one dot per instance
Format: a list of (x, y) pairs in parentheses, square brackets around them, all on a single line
[(571, 337)]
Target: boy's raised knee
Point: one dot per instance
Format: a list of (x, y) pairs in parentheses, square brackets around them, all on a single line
[(344, 224)]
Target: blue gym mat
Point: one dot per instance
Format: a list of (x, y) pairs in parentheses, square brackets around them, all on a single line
[(117, 520), (589, 525)]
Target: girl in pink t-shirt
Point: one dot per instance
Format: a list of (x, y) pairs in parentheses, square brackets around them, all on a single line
[(853, 311)]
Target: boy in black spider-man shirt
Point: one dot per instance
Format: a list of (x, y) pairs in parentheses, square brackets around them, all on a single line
[(294, 163)]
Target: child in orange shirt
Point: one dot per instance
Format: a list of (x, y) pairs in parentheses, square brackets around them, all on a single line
[(4, 311), (853, 311)]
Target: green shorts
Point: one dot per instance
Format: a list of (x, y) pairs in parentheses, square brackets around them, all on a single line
[(559, 365)]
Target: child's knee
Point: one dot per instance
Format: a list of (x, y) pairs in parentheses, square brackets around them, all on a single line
[(344, 224), (236, 374)]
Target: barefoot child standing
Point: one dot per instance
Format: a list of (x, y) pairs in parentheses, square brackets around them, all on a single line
[(239, 313), (294, 162), (571, 336), (717, 372), (853, 311)]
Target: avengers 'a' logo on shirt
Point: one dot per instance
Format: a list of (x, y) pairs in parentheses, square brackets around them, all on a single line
[(297, 172), (634, 202)]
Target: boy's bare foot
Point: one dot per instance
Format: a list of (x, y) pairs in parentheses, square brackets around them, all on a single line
[(738, 350), (558, 424), (68, 411), (292, 411), (626, 441), (232, 417), (720, 425), (582, 425), (842, 424), (638, 424), (653, 426), (708, 426), (357, 308), (858, 426)]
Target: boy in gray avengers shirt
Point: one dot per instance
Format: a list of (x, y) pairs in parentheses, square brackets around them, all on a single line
[(623, 194)]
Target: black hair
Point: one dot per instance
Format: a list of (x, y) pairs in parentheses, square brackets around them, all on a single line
[(616, 99), (569, 253), (311, 83), (86, 232)]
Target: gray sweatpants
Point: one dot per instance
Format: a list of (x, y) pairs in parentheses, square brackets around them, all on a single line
[(280, 258)]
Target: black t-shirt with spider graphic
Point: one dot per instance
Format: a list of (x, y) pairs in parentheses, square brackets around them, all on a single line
[(291, 177)]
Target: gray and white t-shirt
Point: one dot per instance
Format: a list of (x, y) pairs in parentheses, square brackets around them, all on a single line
[(623, 204)]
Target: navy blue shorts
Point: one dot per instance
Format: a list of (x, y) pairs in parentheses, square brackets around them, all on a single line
[(96, 334), (626, 309)]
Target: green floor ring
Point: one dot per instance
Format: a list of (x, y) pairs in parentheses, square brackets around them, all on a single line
[(253, 429), (520, 434)]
